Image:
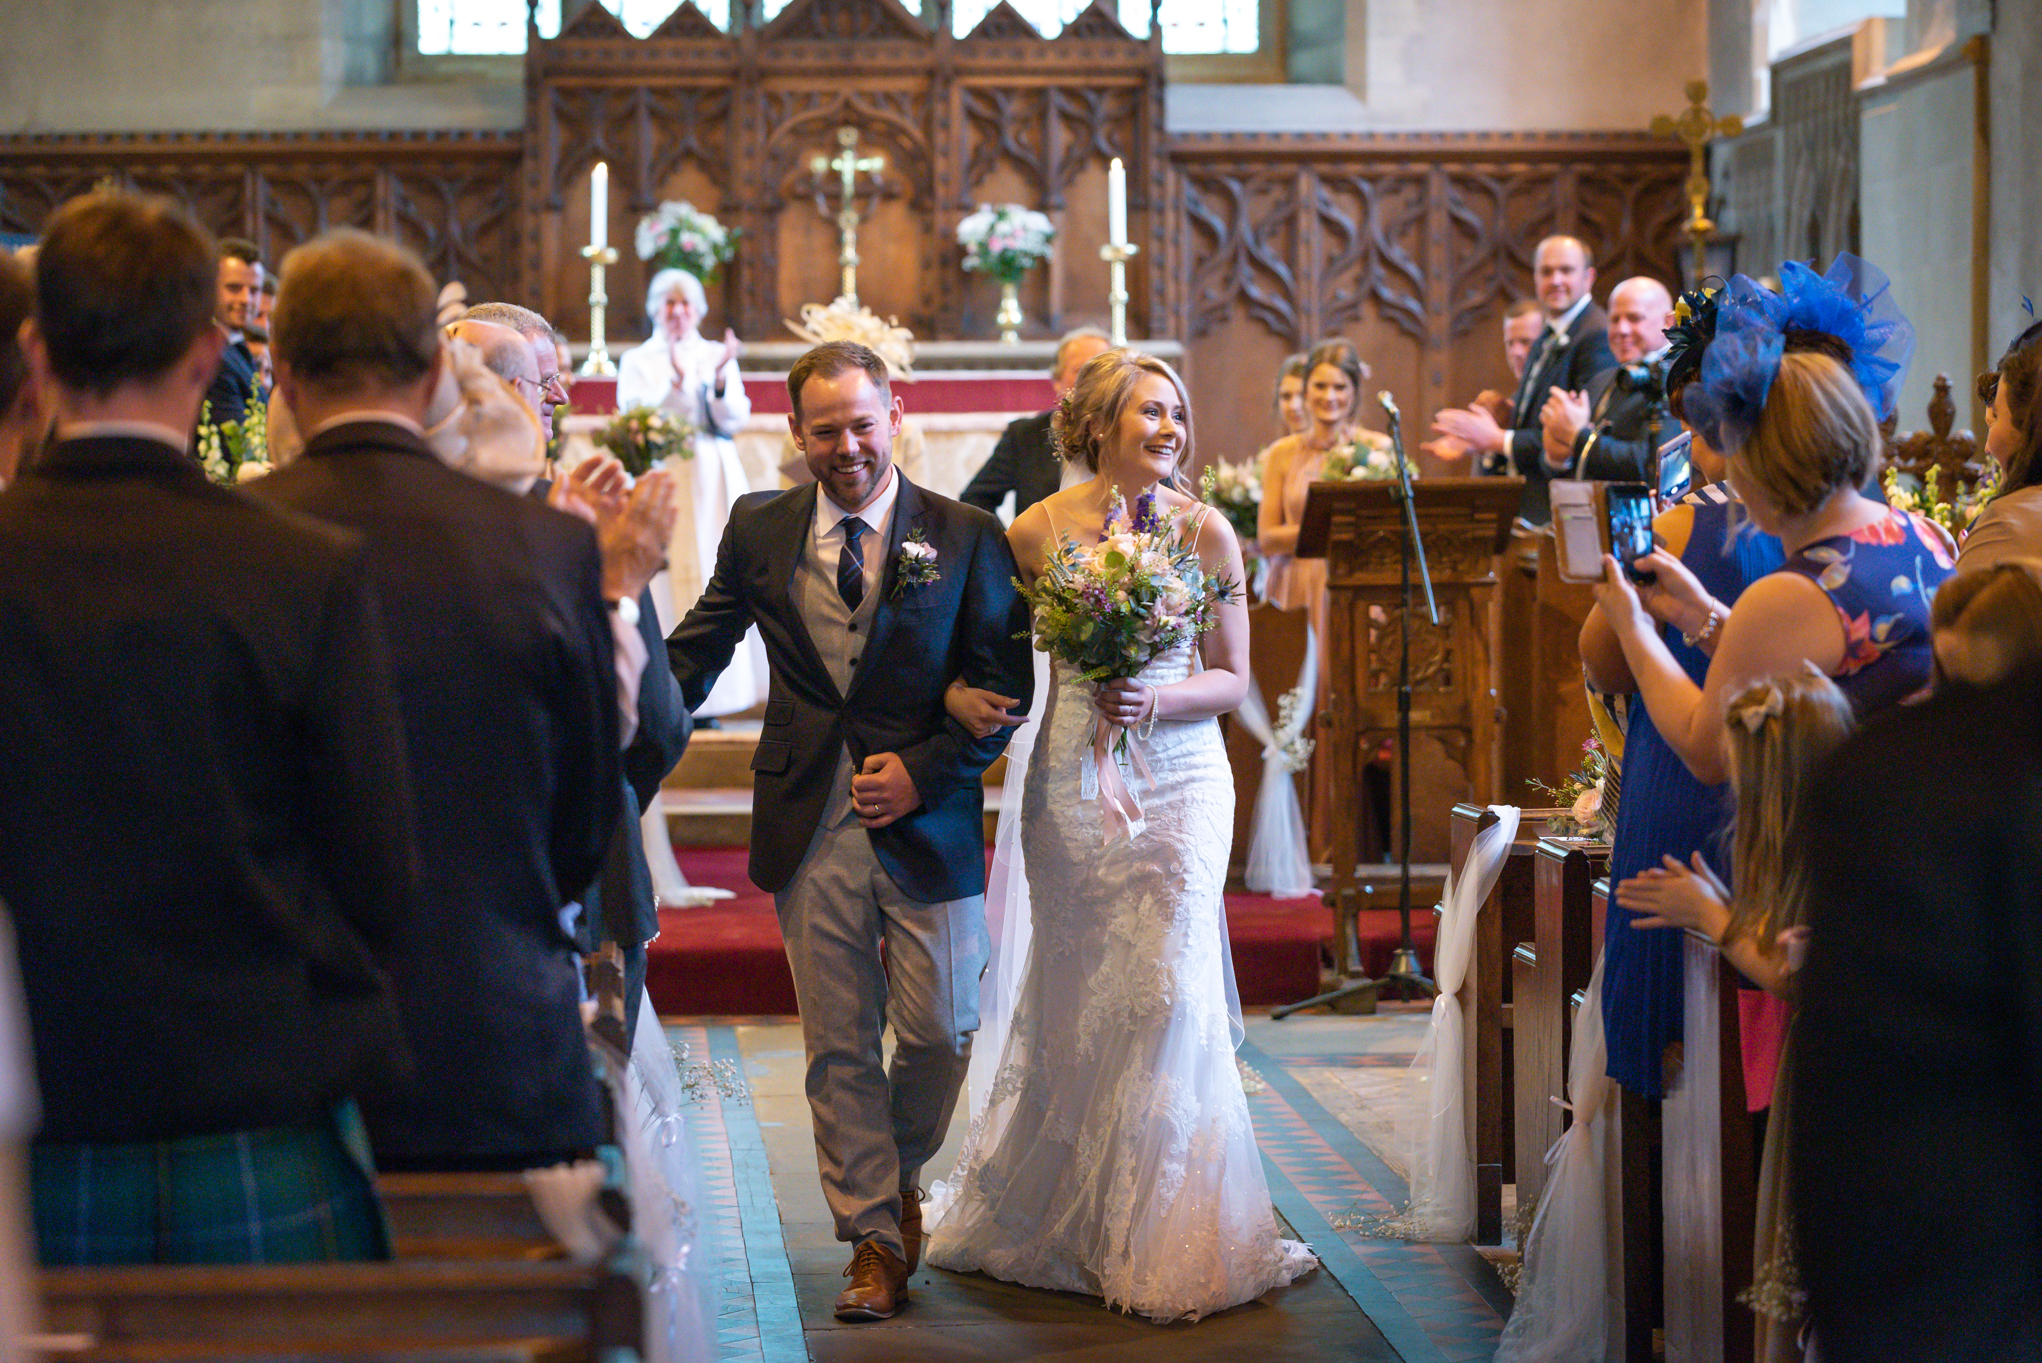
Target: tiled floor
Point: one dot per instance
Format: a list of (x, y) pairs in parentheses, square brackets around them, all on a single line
[(1323, 1092)]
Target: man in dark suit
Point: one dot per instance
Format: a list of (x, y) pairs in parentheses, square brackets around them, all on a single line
[(1605, 432), (867, 797), (237, 290), (1573, 349), (494, 608), (1025, 462), (206, 823), (1917, 1154)]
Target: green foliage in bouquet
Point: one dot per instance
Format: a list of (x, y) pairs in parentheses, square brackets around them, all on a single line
[(1109, 610), (642, 436)]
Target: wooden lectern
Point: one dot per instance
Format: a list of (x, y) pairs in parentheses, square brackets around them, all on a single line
[(1358, 528)]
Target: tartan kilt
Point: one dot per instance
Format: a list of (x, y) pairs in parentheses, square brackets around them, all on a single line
[(279, 1195)]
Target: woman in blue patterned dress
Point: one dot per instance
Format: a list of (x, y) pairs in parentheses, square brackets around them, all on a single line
[(1792, 384)]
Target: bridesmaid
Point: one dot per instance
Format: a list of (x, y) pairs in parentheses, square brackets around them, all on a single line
[(1332, 390)]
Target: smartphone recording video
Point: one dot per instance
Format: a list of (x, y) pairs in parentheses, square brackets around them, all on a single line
[(1630, 526)]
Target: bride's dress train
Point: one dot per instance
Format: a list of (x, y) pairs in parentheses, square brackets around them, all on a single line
[(1114, 1154)]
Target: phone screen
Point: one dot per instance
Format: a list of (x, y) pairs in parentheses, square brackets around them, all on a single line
[(1630, 526)]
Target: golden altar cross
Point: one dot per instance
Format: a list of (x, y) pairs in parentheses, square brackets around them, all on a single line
[(848, 165), (1696, 128)]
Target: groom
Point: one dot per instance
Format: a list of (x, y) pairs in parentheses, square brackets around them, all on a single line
[(867, 800)]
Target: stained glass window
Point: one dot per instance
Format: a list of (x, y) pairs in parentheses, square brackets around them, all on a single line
[(1190, 27)]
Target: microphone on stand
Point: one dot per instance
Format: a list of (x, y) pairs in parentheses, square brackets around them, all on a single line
[(1389, 405)]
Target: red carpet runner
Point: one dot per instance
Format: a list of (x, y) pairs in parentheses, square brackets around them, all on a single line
[(725, 958)]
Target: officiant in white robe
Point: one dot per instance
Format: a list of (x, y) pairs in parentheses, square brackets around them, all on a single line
[(680, 371)]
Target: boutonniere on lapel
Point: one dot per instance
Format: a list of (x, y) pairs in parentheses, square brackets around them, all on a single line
[(917, 566)]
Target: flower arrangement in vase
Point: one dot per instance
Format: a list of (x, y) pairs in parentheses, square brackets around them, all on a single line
[(680, 236), (1005, 241)]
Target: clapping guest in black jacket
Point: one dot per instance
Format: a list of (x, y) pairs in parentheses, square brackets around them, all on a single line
[(1605, 431), (206, 825), (1572, 349), (495, 609)]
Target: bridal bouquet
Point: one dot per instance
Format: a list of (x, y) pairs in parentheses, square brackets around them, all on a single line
[(1004, 241), (642, 436), (1109, 610), (680, 236), (1235, 491), (1370, 458)]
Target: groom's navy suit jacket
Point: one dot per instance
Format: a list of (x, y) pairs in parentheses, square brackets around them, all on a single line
[(971, 622)]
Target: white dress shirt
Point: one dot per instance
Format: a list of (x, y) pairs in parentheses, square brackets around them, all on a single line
[(827, 539)]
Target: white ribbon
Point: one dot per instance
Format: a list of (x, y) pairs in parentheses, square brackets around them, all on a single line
[(1571, 1293), (1442, 1163), (1279, 858)]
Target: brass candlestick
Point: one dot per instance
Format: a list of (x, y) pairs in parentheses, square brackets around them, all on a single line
[(1696, 128), (1116, 255), (599, 259)]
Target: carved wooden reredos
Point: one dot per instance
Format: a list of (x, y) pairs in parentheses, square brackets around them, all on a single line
[(1252, 245), (732, 121)]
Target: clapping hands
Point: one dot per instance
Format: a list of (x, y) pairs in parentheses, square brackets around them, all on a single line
[(634, 522), (1677, 895)]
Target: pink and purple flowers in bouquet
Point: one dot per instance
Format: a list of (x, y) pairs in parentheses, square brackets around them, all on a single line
[(1109, 610)]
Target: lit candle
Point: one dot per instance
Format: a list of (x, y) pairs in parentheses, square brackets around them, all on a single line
[(599, 205), (1116, 203)]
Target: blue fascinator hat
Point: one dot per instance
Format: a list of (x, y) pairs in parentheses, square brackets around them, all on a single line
[(1852, 304)]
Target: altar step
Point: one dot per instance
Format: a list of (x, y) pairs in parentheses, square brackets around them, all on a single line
[(708, 795)]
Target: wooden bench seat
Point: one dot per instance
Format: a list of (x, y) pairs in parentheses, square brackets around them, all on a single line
[(410, 1310), (464, 1216)]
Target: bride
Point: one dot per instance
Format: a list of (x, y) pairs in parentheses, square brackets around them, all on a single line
[(1113, 1154)]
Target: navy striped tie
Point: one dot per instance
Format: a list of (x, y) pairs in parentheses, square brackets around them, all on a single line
[(851, 563)]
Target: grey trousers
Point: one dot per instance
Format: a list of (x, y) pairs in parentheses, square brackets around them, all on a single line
[(874, 1127)]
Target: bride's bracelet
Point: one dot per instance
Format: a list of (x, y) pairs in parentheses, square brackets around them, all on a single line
[(1143, 730)]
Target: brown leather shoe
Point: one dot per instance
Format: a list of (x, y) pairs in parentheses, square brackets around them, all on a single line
[(879, 1284), (911, 1226)]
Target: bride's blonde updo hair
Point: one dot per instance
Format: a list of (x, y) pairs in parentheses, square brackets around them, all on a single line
[(1098, 398)]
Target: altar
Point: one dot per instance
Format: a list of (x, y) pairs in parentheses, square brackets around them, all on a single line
[(960, 397)]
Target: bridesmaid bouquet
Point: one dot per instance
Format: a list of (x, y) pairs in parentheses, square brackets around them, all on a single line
[(1371, 458), (1109, 610), (642, 436), (1235, 491)]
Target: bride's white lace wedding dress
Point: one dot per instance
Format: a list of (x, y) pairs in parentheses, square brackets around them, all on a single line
[(1114, 1155)]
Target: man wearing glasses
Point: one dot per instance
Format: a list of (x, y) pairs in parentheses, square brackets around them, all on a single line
[(538, 334)]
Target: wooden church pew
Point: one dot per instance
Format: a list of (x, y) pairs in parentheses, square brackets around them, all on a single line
[(1546, 975), (408, 1310), (1504, 919), (1710, 1175), (464, 1216)]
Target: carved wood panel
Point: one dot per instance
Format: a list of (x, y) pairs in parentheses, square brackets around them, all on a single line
[(451, 197), (1409, 245)]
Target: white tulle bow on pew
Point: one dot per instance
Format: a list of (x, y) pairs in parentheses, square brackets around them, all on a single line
[(1570, 1292), (1436, 1139), (1279, 859)]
